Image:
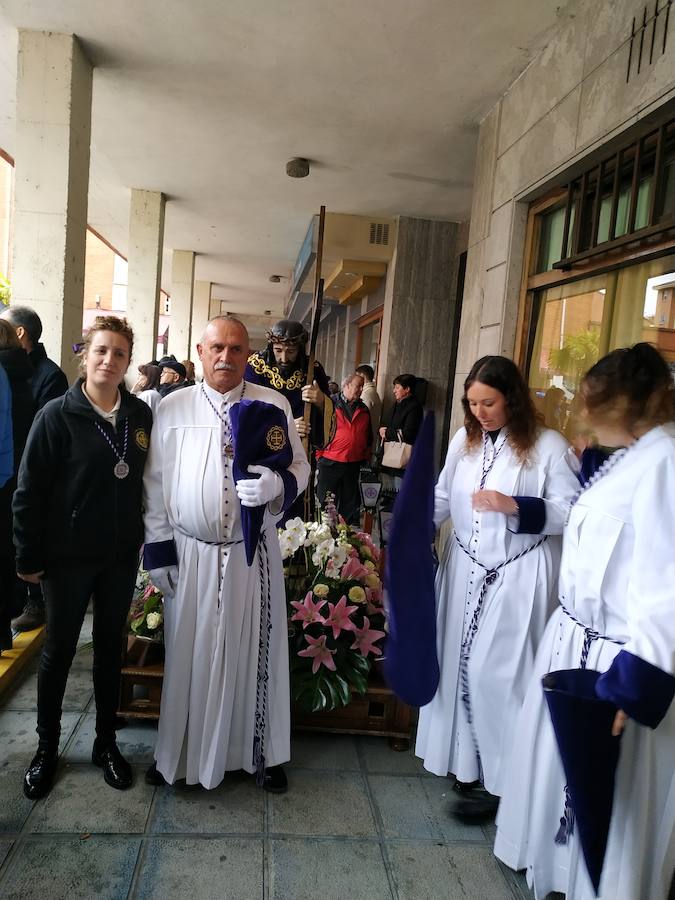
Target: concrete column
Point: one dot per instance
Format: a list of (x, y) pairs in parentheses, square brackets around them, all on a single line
[(200, 316), (182, 288), (53, 131), (146, 237), (214, 308), (419, 311)]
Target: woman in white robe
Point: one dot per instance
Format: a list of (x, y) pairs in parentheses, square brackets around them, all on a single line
[(618, 578), (506, 484)]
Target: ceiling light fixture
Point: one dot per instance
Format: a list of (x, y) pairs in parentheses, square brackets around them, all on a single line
[(298, 167), (275, 279)]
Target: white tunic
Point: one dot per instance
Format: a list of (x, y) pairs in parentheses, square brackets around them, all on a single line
[(516, 606), (618, 577), (212, 624)]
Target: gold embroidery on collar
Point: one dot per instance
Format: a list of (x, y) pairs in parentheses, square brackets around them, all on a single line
[(296, 380)]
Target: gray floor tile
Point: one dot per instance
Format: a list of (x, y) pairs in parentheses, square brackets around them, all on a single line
[(82, 802), (417, 808), (328, 803), (324, 751), (214, 869), (380, 758), (518, 884), (71, 869), (136, 741), (235, 806), (5, 847), (332, 870), (79, 691), (19, 740), (404, 807), (433, 870), (439, 794), (14, 807)]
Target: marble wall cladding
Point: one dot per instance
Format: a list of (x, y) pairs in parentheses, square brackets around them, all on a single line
[(540, 151), (493, 296), (609, 28), (499, 238), (488, 341), (484, 177), (608, 102), (472, 307), (547, 80), (423, 308)]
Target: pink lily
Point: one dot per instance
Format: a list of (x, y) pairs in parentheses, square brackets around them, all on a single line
[(308, 611), (338, 617), (322, 654), (365, 638), (353, 570)]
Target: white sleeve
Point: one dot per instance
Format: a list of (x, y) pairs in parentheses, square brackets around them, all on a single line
[(443, 488), (157, 526), (299, 467), (560, 486)]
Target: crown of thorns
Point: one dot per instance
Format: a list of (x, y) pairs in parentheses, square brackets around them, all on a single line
[(289, 340)]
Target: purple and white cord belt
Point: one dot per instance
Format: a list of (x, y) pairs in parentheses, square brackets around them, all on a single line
[(566, 827), (491, 575)]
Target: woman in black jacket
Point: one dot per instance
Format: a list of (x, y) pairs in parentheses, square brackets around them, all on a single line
[(78, 529), (405, 416), (16, 365)]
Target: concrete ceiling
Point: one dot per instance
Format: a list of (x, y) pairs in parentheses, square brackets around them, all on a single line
[(207, 100)]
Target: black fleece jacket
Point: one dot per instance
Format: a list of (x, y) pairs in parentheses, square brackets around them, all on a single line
[(405, 416), (69, 506)]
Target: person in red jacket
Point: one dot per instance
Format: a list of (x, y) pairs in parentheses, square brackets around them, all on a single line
[(340, 461)]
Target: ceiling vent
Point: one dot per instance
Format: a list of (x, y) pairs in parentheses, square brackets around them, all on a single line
[(379, 233)]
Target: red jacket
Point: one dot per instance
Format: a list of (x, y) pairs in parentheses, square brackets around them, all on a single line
[(353, 440)]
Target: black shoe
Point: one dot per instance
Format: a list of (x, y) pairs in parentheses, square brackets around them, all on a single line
[(33, 616), (475, 805), (465, 787), (154, 776), (116, 770), (39, 777), (275, 780)]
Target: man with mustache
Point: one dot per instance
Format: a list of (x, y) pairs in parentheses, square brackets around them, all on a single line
[(225, 698)]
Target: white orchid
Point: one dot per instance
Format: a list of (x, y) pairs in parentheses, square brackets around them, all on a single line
[(153, 620)]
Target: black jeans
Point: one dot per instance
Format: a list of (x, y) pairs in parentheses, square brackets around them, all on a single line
[(342, 480), (67, 590)]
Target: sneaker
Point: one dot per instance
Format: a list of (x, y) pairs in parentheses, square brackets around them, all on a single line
[(33, 616)]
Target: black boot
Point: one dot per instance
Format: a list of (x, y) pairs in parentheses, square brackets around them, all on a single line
[(39, 777), (275, 780), (473, 803), (154, 777), (33, 616), (116, 770)]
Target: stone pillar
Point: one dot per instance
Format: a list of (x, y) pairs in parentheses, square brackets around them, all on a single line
[(53, 130), (419, 311), (200, 316), (182, 288), (146, 237)]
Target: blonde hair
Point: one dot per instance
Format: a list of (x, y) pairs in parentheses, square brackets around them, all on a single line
[(106, 323)]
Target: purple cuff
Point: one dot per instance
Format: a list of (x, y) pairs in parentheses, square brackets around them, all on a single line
[(640, 689), (290, 488), (531, 515), (159, 555)]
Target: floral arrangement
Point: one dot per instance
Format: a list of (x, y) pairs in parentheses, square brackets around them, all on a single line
[(146, 616), (336, 616)]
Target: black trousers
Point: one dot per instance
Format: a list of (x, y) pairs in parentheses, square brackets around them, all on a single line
[(67, 590), (342, 480)]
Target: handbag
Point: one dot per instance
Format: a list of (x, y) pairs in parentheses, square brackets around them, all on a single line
[(396, 453)]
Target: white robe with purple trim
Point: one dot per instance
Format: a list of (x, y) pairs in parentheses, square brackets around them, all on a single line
[(212, 623), (618, 577), (516, 607)]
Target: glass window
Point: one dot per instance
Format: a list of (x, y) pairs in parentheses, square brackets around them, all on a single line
[(579, 322), (370, 342)]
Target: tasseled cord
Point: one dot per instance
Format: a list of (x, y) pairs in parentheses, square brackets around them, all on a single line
[(566, 821)]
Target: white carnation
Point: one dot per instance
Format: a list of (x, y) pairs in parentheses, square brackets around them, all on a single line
[(153, 620)]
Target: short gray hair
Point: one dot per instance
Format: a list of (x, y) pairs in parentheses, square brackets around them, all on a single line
[(349, 378)]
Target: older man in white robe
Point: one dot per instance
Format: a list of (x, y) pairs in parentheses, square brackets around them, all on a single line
[(226, 680)]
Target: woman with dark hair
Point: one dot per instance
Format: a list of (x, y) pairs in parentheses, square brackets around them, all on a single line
[(149, 390), (16, 365), (507, 485), (78, 530), (616, 616), (404, 418)]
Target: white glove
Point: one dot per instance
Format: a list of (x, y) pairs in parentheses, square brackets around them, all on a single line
[(259, 491), (165, 580)]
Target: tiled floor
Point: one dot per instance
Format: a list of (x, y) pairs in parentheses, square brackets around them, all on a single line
[(359, 821)]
